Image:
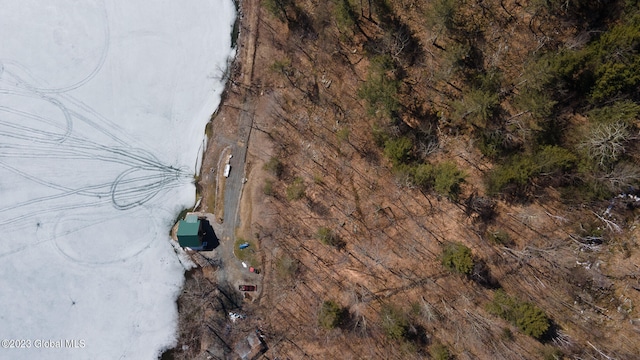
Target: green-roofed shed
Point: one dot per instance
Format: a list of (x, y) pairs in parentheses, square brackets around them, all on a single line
[(189, 232)]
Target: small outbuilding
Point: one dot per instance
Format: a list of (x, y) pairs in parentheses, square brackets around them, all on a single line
[(189, 232), (196, 233)]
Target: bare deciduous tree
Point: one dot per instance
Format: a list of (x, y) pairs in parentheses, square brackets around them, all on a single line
[(428, 146), (621, 177), (606, 142), (395, 43)]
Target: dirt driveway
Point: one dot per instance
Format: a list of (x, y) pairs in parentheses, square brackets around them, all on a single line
[(230, 133)]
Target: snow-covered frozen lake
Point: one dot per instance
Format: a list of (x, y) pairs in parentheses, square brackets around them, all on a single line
[(103, 105)]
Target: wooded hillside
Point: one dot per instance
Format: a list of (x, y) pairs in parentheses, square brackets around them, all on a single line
[(448, 179), (451, 178)]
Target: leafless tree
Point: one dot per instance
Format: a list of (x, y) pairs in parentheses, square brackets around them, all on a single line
[(610, 224), (396, 42), (606, 142), (621, 177), (428, 146), (428, 311), (484, 207)]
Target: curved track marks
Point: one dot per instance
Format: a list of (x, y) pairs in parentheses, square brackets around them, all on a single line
[(31, 85), (79, 169)]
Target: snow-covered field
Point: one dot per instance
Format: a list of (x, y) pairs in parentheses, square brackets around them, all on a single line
[(102, 112)]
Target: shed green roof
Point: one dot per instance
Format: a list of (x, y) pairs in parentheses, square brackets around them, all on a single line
[(188, 233)]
